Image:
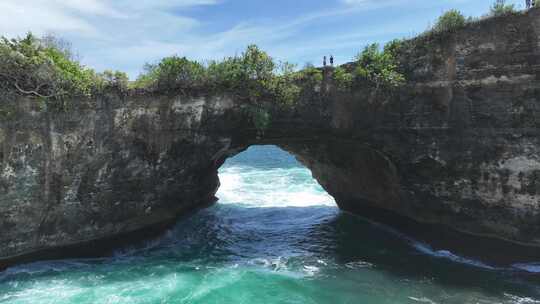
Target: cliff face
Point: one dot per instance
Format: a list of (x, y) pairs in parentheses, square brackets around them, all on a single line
[(458, 146), (463, 135)]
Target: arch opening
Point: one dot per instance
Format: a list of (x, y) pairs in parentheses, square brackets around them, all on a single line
[(268, 176)]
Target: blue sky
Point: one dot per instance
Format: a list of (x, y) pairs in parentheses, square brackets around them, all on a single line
[(124, 34)]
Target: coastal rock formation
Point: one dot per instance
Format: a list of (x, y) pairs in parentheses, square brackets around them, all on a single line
[(459, 145)]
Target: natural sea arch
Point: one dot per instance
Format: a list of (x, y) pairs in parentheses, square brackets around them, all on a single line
[(457, 146)]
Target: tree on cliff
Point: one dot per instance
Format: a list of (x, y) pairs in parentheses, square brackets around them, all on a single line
[(374, 68), (42, 69), (47, 69), (450, 21), (251, 76), (172, 73), (500, 8), (380, 67)]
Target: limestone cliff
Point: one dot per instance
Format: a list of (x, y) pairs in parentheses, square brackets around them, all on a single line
[(458, 145)]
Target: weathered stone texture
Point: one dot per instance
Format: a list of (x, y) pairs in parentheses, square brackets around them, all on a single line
[(459, 146)]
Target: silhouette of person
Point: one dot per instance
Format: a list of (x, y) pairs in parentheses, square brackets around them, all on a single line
[(528, 3), (331, 60), (324, 61)]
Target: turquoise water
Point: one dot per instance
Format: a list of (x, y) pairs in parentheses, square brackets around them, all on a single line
[(274, 237)]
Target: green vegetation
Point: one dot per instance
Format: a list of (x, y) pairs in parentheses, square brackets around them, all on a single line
[(450, 21), (34, 67), (172, 73), (250, 76), (260, 118), (116, 79), (47, 69), (453, 19), (500, 8), (343, 80), (310, 77), (285, 85), (380, 68), (375, 68)]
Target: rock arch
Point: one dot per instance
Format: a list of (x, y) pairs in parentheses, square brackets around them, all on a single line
[(459, 146)]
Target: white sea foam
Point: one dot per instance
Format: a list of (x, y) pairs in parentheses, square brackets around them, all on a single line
[(423, 300), (529, 267), (521, 300), (276, 264), (358, 265), (276, 187), (426, 249), (310, 270)]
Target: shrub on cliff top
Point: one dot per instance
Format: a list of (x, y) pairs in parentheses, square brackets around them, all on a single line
[(257, 72), (36, 67), (225, 74), (172, 73), (284, 85), (309, 77), (500, 8), (116, 79), (343, 80), (250, 76), (450, 21), (379, 68), (46, 68)]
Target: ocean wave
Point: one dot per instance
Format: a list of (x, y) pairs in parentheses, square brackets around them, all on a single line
[(267, 188), (426, 249), (528, 267)]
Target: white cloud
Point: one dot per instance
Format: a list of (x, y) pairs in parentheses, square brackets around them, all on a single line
[(109, 32), (94, 7), (17, 18), (92, 17), (152, 4), (155, 33), (124, 34)]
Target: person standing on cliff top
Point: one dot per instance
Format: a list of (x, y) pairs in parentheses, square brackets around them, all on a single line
[(331, 60)]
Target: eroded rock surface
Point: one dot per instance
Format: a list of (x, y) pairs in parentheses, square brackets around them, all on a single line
[(459, 145)]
